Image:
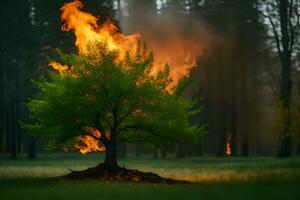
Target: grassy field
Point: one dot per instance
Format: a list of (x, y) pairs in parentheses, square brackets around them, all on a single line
[(218, 178)]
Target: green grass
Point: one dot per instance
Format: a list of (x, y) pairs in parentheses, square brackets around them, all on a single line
[(219, 178)]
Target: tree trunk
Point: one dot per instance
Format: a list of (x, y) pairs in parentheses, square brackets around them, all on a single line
[(286, 83), (7, 129), (199, 150), (181, 151), (1, 132), (13, 135), (245, 145), (163, 151), (31, 148), (122, 150), (297, 149), (190, 150), (223, 138), (138, 150), (111, 152), (285, 146), (155, 152), (2, 113)]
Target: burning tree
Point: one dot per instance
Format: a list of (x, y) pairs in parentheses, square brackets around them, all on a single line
[(110, 91)]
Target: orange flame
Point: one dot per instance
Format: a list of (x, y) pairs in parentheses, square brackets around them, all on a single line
[(228, 146), (87, 143), (180, 53), (89, 33), (59, 67)]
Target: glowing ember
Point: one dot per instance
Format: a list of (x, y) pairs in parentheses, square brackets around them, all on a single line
[(228, 147)]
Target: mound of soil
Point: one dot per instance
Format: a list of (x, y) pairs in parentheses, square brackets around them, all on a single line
[(119, 174)]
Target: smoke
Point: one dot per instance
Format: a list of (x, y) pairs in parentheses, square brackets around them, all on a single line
[(175, 38)]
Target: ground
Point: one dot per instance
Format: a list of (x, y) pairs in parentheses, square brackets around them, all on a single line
[(218, 178)]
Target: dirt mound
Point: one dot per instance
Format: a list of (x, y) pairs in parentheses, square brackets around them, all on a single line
[(119, 174)]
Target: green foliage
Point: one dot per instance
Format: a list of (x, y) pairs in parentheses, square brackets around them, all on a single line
[(119, 97)]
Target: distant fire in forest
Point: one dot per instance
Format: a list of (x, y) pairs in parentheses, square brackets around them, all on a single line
[(89, 33), (228, 144)]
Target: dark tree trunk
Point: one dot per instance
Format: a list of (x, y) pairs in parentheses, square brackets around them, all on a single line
[(181, 152), (111, 152), (31, 148), (234, 145), (285, 147), (2, 116), (3, 120), (199, 150), (1, 131), (233, 142), (122, 150), (163, 151), (13, 135), (155, 152), (286, 87), (190, 150), (138, 150), (223, 138), (245, 146), (7, 129), (18, 112), (298, 149), (223, 99)]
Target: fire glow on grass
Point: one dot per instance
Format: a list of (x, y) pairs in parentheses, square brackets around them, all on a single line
[(89, 33)]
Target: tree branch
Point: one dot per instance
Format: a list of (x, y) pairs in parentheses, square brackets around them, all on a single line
[(108, 96), (147, 130), (276, 35), (294, 27), (107, 122), (125, 116), (99, 126)]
